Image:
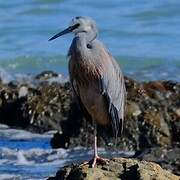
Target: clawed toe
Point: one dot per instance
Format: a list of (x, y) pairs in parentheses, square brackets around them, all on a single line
[(97, 160)]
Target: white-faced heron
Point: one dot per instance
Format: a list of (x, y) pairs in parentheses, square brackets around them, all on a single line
[(96, 79)]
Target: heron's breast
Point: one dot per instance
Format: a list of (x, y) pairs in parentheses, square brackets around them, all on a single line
[(94, 103), (85, 72), (87, 77)]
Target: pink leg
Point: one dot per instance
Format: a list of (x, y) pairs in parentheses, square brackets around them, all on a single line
[(95, 146), (96, 158)]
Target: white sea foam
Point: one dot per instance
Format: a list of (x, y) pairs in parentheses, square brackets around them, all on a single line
[(15, 134), (10, 177), (38, 162), (3, 126), (21, 159), (48, 161), (60, 78), (37, 156), (5, 76)]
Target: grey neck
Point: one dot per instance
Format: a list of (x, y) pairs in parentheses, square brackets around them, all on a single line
[(87, 36), (81, 44)]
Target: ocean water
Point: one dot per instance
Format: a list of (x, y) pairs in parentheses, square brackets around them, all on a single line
[(24, 155), (143, 36)]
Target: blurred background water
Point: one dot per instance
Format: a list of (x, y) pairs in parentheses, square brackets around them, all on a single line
[(25, 155), (143, 36)]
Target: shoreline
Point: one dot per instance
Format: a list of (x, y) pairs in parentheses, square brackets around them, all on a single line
[(151, 123)]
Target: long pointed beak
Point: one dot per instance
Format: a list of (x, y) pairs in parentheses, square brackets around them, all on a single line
[(68, 30)]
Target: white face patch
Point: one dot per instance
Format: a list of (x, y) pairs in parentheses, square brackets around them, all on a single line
[(85, 24)]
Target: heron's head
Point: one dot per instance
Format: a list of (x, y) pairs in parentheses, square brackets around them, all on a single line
[(83, 24), (78, 25)]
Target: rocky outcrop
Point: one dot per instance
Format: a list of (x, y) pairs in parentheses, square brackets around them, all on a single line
[(167, 158), (152, 117), (152, 112), (117, 168), (38, 107)]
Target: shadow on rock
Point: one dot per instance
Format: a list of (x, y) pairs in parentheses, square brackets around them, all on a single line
[(130, 173)]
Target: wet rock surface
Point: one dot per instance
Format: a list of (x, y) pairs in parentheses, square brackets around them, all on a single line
[(152, 118), (117, 168), (167, 158), (38, 108)]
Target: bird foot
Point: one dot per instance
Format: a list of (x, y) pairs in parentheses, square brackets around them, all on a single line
[(96, 160)]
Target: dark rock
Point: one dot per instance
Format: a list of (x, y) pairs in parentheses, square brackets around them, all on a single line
[(168, 158), (46, 75), (152, 112), (39, 108), (59, 141), (152, 116), (49, 106), (12, 111)]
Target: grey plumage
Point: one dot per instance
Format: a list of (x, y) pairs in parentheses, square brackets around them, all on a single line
[(96, 78), (105, 79)]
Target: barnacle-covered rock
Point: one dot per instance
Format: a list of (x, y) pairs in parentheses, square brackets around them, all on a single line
[(117, 168), (152, 116)]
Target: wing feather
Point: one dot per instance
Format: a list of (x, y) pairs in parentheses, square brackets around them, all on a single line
[(113, 90), (115, 111)]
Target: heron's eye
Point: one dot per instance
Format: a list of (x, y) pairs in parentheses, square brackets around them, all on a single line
[(89, 46)]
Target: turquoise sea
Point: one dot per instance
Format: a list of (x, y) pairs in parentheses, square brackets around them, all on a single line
[(144, 36)]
